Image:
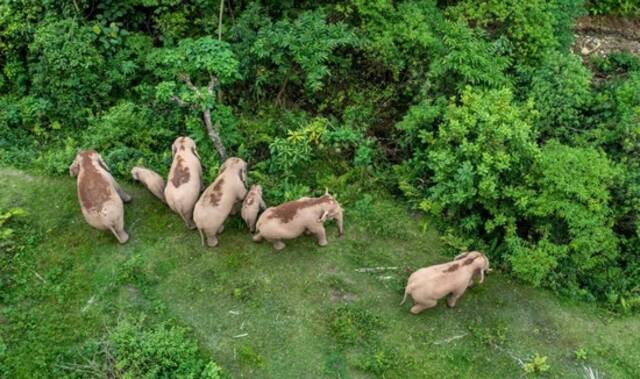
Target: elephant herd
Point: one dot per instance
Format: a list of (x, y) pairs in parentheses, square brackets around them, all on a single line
[(102, 204), (102, 199)]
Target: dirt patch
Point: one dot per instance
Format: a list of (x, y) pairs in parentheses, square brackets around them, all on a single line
[(606, 34), (339, 296)]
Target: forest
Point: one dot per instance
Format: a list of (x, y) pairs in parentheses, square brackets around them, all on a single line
[(440, 126)]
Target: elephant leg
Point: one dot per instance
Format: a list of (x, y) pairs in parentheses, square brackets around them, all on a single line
[(319, 231), (123, 195), (307, 232), (471, 283), (419, 307), (278, 245), (188, 219), (453, 297), (236, 208), (257, 238), (221, 229)]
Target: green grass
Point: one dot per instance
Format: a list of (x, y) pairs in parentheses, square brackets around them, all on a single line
[(304, 312)]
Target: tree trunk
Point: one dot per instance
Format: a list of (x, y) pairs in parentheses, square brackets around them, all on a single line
[(214, 135)]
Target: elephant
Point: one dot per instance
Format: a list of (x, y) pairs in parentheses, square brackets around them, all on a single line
[(101, 198), (185, 179), (218, 200), (429, 284), (291, 219), (251, 206), (151, 180)]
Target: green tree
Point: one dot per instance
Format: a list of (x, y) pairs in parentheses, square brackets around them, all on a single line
[(67, 69), (300, 51), (200, 60)]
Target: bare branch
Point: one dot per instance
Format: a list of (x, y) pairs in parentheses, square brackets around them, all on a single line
[(220, 20), (187, 80), (183, 103), (212, 82), (214, 135), (178, 101)]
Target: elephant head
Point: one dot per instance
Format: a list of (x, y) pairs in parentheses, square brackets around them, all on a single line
[(86, 157), (331, 210), (184, 143), (238, 165), (477, 260)]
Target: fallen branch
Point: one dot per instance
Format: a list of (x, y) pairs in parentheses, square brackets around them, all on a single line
[(590, 373), (89, 303), (241, 335), (376, 269), (450, 339), (513, 356), (39, 277)]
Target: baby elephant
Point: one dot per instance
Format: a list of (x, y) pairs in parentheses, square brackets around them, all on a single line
[(290, 220), (100, 196), (251, 206), (151, 180), (429, 284)]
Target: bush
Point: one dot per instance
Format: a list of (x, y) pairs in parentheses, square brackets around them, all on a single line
[(568, 223), (618, 7), (351, 325), (561, 92), (136, 350), (67, 69), (545, 211), (473, 167)]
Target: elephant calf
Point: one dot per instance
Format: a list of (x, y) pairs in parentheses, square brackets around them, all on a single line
[(101, 198), (251, 206), (429, 284), (290, 220), (185, 179), (219, 198), (151, 180)]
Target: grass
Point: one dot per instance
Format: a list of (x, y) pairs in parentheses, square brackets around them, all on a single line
[(300, 313)]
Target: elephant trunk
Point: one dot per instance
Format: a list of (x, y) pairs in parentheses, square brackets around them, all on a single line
[(339, 223)]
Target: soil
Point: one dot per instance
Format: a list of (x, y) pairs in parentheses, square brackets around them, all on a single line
[(606, 34)]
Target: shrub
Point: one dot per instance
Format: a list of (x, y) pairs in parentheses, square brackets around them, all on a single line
[(473, 166), (528, 29), (128, 134), (299, 52), (560, 90), (351, 325), (67, 69), (136, 350), (569, 222)]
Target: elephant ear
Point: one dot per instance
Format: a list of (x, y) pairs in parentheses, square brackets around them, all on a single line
[(74, 168), (102, 163), (243, 175), (174, 150), (195, 152), (460, 256)]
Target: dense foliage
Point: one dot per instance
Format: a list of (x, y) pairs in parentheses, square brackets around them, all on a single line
[(476, 111)]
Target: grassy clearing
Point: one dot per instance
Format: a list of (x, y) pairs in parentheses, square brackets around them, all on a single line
[(302, 312)]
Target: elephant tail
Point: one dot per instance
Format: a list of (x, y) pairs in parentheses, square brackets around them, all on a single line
[(406, 292), (201, 236)]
